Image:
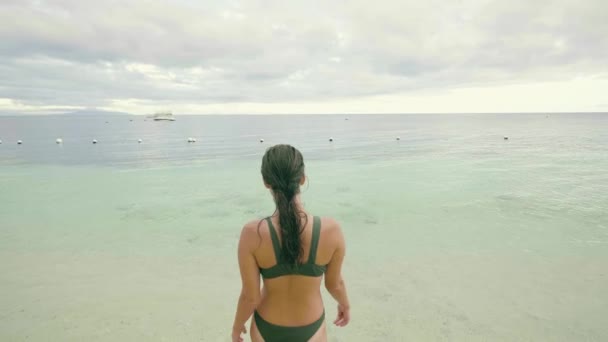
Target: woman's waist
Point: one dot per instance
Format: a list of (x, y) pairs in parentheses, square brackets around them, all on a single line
[(286, 311)]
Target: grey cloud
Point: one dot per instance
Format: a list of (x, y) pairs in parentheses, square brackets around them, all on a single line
[(87, 53)]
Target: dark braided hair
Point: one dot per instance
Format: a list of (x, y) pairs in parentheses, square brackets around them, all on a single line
[(282, 171)]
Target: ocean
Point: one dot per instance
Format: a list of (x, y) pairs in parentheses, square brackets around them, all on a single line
[(453, 232)]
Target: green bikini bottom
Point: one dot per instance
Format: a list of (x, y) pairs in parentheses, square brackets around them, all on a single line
[(276, 333)]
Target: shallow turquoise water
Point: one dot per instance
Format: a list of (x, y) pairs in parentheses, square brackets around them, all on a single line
[(453, 233)]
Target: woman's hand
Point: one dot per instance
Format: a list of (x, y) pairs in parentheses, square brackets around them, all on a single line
[(236, 334), (343, 316)]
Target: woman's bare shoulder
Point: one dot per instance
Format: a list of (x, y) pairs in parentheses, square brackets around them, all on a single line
[(330, 226), (253, 224), (252, 228)]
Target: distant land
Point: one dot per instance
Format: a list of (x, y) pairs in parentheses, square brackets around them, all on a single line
[(98, 112), (94, 112), (82, 112)]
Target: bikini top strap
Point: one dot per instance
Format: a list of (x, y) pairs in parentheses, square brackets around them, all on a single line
[(314, 243), (275, 240)]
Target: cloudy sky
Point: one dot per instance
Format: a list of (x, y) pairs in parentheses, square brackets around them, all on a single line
[(351, 56)]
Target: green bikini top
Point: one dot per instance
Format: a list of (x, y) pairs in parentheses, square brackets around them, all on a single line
[(282, 268)]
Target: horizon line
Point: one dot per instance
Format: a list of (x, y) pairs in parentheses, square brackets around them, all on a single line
[(101, 113)]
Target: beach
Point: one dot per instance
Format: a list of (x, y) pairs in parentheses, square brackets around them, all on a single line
[(453, 233)]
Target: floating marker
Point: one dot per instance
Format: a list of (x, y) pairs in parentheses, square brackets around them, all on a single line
[(94, 141), (19, 142), (139, 141), (506, 138), (191, 140), (59, 141), (398, 138), (261, 140), (331, 139)]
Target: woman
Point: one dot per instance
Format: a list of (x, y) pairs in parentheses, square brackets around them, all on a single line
[(291, 250)]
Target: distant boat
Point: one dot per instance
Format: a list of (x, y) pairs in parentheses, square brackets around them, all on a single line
[(163, 116)]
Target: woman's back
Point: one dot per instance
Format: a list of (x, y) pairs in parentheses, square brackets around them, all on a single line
[(294, 299), (291, 251)]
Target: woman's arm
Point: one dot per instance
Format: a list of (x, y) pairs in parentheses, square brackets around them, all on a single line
[(334, 283), (250, 277)]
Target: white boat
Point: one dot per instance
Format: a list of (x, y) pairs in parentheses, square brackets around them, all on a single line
[(163, 116)]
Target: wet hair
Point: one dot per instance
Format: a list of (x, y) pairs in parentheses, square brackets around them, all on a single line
[(282, 170)]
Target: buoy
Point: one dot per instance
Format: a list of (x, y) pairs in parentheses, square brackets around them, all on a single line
[(0, 141), (139, 141), (398, 138), (331, 139), (19, 142), (191, 140), (506, 138), (94, 141), (261, 140), (59, 141)]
